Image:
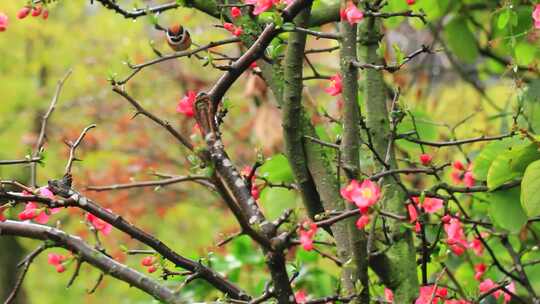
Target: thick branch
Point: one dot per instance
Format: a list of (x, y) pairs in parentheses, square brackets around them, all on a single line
[(91, 256)]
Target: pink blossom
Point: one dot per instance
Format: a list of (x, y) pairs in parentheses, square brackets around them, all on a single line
[(32, 212), (335, 87), (235, 12), (486, 285), (235, 30), (186, 104), (300, 296), (388, 295), (351, 14), (479, 269), (261, 6), (430, 204), (4, 21), (431, 294), (306, 236), (413, 214), (458, 165), (477, 246), (455, 236), (425, 159), (363, 195), (362, 221), (99, 224), (468, 179), (536, 16)]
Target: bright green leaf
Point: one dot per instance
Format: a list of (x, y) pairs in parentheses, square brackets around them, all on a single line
[(530, 189)]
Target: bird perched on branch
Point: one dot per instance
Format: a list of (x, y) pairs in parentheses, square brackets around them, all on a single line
[(178, 38)]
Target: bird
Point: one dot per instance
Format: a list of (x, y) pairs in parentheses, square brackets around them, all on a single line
[(178, 37)]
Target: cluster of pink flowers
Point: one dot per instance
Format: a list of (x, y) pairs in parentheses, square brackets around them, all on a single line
[(363, 195), (150, 262), (351, 14), (186, 104), (306, 236), (536, 16), (456, 238), (428, 204), (99, 224), (460, 175), (57, 261), (33, 212)]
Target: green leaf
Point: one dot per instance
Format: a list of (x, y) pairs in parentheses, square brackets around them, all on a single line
[(511, 164), (530, 189), (276, 169), (426, 130), (505, 209), (525, 53), (503, 19), (485, 158), (461, 40)]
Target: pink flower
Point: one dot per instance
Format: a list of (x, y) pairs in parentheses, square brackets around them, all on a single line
[(536, 16), (362, 221), (352, 14), (363, 195), (431, 295), (261, 6), (455, 236), (4, 21), (32, 212), (388, 295), (468, 179), (306, 236), (99, 224), (486, 285), (425, 159), (413, 214), (186, 104), (430, 204), (300, 296), (23, 12), (235, 12), (477, 246), (479, 269), (336, 86), (460, 175)]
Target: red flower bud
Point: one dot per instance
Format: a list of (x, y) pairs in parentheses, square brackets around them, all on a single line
[(45, 15), (23, 12), (148, 261), (425, 159), (36, 11), (60, 268), (236, 12), (152, 269)]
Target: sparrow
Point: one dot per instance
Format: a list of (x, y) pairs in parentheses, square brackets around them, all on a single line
[(178, 38)]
